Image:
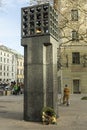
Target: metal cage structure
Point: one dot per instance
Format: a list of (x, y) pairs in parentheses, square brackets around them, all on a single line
[(39, 20)]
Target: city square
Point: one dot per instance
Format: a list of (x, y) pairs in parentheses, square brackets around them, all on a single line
[(73, 117), (54, 39)]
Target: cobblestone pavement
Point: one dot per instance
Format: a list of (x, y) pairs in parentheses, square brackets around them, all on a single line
[(73, 117)]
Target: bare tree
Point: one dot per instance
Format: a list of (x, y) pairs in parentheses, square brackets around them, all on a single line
[(67, 24)]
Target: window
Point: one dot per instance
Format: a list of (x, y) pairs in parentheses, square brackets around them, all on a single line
[(20, 63), (0, 74), (74, 15), (75, 35), (12, 69), (4, 68), (7, 60), (0, 59), (7, 68), (18, 72), (76, 58), (4, 54), (1, 52), (12, 74), (4, 74), (0, 67)]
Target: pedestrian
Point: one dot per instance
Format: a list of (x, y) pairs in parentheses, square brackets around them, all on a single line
[(15, 89), (66, 95)]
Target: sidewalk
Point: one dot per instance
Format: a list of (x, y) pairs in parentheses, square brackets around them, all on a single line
[(73, 117)]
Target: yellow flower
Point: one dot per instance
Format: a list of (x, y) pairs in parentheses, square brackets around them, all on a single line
[(54, 120)]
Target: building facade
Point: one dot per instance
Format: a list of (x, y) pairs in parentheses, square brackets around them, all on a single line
[(9, 67), (20, 68), (72, 52)]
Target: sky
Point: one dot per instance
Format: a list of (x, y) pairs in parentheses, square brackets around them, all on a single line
[(10, 23)]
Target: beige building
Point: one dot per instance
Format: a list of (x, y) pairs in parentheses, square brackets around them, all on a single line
[(20, 68), (72, 52)]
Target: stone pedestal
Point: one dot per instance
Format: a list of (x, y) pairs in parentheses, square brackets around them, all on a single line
[(40, 71)]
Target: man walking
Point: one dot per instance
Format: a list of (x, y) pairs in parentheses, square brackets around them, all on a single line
[(66, 95)]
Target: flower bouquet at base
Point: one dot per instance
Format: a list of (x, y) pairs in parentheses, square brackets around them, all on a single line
[(48, 116)]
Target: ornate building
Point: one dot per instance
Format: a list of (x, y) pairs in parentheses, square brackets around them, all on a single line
[(11, 65)]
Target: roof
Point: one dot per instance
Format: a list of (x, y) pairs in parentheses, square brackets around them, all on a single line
[(5, 48)]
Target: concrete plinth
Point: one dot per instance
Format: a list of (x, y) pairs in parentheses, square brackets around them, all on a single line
[(40, 71)]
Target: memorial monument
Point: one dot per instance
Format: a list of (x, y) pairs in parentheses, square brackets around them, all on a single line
[(39, 36)]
